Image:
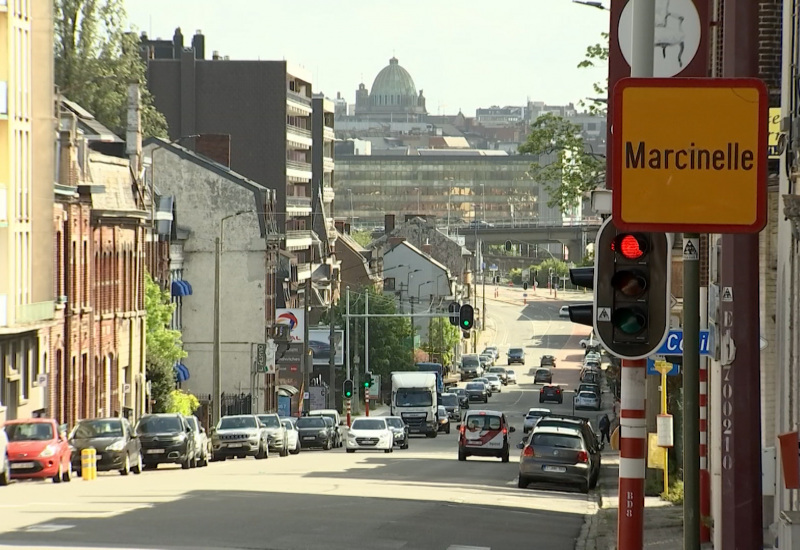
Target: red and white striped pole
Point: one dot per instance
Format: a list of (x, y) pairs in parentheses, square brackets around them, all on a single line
[(632, 453), (348, 413), (705, 477)]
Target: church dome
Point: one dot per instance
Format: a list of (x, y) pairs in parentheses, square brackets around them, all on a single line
[(393, 81)]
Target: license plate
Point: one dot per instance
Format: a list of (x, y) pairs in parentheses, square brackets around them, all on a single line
[(308, 437), (232, 445), (555, 469), (154, 451), (22, 465)]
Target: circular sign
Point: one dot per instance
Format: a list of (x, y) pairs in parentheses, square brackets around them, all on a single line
[(677, 35)]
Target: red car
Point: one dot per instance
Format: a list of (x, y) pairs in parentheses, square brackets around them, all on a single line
[(36, 449)]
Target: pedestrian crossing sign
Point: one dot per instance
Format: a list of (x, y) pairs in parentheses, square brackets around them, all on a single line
[(604, 314)]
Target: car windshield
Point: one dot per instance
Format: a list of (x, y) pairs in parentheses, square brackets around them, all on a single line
[(367, 424), (158, 424), (532, 414), (461, 391), (192, 421), (474, 386), (493, 378), (311, 422), (237, 422), (29, 431), (270, 421), (510, 371), (469, 361), (449, 400), (497, 369), (543, 371), (327, 415), (413, 398), (548, 423), (587, 395), (483, 422), (88, 429), (515, 351), (395, 422), (559, 441), (288, 424)]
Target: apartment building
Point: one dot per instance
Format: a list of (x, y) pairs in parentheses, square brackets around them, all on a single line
[(27, 126)]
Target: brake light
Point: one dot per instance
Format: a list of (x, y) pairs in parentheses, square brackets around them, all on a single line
[(541, 390), (528, 451), (462, 429), (505, 431), (583, 456)]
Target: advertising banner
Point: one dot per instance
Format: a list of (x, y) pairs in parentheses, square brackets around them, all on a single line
[(319, 342), (294, 319)]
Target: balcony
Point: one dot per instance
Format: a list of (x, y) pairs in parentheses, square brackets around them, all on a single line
[(328, 195), (298, 205), (299, 239), (298, 171), (303, 271), (327, 164), (299, 138), (328, 133), (298, 104), (36, 312)]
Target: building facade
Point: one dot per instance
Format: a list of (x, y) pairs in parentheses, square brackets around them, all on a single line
[(393, 97), (27, 127)]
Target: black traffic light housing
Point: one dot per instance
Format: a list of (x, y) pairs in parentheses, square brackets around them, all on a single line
[(347, 389), (367, 379), (632, 291), (455, 313), (524, 285), (582, 314), (466, 317), (508, 246)]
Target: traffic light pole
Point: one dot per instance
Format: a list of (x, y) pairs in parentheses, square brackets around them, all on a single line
[(691, 391)]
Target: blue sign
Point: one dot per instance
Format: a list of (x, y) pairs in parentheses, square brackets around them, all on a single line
[(651, 368), (284, 405), (673, 345), (493, 267)]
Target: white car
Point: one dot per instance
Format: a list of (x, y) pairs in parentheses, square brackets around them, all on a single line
[(292, 435), (511, 376), (5, 465), (532, 417), (495, 382), (369, 434), (564, 312), (587, 400)]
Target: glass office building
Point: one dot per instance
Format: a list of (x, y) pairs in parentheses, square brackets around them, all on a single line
[(460, 185)]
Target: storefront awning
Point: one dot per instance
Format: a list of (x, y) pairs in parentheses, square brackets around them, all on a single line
[(181, 288), (181, 372)]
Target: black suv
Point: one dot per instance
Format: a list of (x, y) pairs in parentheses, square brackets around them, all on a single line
[(166, 439), (547, 361), (551, 393), (516, 355)]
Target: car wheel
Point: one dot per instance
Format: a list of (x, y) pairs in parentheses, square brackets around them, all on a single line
[(504, 457), (351, 450), (57, 477), (405, 444), (389, 450), (67, 475), (126, 467), (296, 449), (462, 455), (541, 400), (447, 430), (584, 487), (187, 463), (560, 401), (150, 466), (523, 482), (328, 445), (593, 481), (5, 477), (285, 449), (137, 468)]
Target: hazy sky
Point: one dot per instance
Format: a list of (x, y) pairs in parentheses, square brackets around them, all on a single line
[(463, 53)]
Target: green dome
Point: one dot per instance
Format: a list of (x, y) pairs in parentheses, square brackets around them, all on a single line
[(393, 81)]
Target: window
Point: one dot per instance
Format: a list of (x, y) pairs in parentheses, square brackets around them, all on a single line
[(388, 283)]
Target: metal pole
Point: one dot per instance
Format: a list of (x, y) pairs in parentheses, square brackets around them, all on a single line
[(308, 357), (332, 358), (691, 393), (348, 349), (216, 403), (742, 501), (366, 348), (664, 412), (483, 307), (633, 429)]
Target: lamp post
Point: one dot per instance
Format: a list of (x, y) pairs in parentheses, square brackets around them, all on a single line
[(408, 290)]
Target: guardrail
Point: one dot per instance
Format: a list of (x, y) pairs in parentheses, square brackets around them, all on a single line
[(297, 165)]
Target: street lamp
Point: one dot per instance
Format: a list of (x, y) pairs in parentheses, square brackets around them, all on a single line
[(592, 4), (408, 288), (419, 286)]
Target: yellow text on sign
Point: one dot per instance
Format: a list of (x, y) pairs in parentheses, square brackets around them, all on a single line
[(686, 151)]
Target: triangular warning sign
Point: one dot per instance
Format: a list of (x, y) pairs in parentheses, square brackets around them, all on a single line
[(727, 294), (689, 249), (604, 314)]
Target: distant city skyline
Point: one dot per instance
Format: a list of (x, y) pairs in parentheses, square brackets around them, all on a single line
[(463, 54)]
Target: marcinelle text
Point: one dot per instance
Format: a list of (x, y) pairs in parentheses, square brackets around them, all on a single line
[(690, 158)]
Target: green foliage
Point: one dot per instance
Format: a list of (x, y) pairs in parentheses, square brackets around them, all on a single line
[(515, 274), (442, 337), (182, 402), (675, 493), (95, 59), (573, 171), (596, 54), (164, 345), (362, 237)]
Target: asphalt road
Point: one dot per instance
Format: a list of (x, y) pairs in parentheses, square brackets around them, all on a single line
[(421, 498)]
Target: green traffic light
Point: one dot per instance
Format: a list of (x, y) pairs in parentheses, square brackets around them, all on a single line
[(629, 320)]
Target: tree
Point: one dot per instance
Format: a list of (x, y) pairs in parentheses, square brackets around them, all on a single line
[(573, 170), (559, 267), (95, 59), (362, 237), (164, 346), (182, 402), (442, 337), (595, 55)]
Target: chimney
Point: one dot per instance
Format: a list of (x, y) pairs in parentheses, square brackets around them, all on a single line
[(199, 45), (427, 248), (217, 147), (339, 225), (215, 55), (177, 44), (394, 241), (388, 223)]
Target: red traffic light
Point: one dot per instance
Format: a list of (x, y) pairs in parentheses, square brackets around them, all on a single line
[(630, 245)]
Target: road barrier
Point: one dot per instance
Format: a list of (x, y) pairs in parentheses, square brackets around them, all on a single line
[(89, 464)]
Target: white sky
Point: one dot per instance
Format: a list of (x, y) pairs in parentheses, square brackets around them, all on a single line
[(463, 53)]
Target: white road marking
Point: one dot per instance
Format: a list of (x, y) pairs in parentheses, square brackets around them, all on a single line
[(460, 547), (47, 527)]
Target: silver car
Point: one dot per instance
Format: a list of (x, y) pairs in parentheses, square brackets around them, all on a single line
[(532, 417), (240, 436), (202, 445), (559, 455), (587, 400), (277, 437)]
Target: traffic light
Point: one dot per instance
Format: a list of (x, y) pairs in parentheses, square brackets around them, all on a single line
[(455, 313), (582, 314), (347, 389), (466, 317), (524, 285), (508, 246), (367, 379), (632, 291)]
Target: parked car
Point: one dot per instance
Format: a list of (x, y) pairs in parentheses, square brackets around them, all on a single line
[(369, 434), (202, 444), (493, 350), (551, 393), (575, 422), (590, 376), (547, 361), (564, 311), (511, 376), (485, 381), (292, 435), (333, 414), (587, 400), (166, 439), (463, 397), (486, 362), (495, 383), (484, 433), (38, 448), (560, 455), (588, 341), (477, 392), (543, 376), (501, 373), (240, 435), (399, 430), (516, 355), (532, 417), (452, 404), (5, 463), (277, 437), (594, 388), (314, 432), (471, 367), (115, 443), (443, 419)]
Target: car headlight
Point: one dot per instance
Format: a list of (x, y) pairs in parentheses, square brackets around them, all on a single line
[(322, 432), (50, 450), (117, 445), (351, 435), (253, 437)]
